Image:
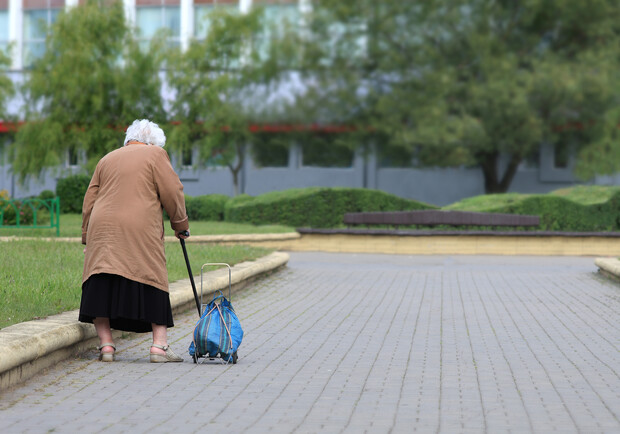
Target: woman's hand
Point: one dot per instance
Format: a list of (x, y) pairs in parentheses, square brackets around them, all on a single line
[(183, 235)]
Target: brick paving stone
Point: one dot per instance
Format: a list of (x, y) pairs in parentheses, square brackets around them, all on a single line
[(367, 343)]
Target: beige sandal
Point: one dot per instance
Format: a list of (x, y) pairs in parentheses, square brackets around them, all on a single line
[(106, 357), (164, 358)]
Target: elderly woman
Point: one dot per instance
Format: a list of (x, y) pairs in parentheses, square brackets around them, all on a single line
[(125, 281)]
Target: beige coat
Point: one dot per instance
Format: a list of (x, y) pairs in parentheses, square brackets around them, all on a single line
[(122, 224)]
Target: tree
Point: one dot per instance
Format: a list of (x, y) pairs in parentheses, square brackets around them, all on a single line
[(474, 83), (90, 84), (216, 83)]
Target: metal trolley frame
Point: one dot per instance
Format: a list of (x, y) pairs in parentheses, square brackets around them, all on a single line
[(202, 304)]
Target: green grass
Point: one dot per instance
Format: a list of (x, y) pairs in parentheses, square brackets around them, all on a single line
[(40, 278), (587, 194), (71, 226), (225, 228), (486, 202)]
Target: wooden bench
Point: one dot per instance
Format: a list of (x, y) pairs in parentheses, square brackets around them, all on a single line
[(435, 218)]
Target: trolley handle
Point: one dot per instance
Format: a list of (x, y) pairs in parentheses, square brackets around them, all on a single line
[(229, 277)]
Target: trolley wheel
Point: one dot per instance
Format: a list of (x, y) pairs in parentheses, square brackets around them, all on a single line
[(195, 357), (234, 358)]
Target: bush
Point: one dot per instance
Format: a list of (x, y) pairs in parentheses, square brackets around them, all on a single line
[(47, 194), (313, 207), (11, 210), (557, 213), (209, 207), (71, 191), (560, 214)]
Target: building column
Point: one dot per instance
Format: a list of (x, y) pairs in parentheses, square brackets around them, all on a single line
[(294, 156), (16, 32), (129, 6), (371, 166), (245, 6), (359, 168), (187, 23)]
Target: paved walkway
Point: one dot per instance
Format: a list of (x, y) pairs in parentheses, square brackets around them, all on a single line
[(375, 343)]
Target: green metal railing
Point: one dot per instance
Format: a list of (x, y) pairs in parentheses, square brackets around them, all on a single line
[(26, 213)]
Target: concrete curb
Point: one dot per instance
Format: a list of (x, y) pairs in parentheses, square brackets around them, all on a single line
[(30, 347), (610, 267)]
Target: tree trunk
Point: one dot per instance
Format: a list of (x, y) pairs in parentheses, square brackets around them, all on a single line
[(235, 175), (236, 168), (492, 182)]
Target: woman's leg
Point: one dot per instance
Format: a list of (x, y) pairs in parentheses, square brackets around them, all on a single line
[(158, 355), (160, 337), (102, 326)]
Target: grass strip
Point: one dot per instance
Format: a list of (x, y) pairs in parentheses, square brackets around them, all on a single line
[(39, 278), (71, 226)]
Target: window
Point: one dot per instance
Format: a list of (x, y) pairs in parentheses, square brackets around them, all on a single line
[(278, 19), (326, 150), (270, 149), (72, 157), (561, 156), (395, 156), (156, 16), (532, 160), (187, 157), (203, 8), (4, 26), (39, 15)]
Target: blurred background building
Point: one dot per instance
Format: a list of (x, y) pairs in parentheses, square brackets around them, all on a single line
[(291, 166)]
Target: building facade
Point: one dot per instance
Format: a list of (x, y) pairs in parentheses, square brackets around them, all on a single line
[(21, 31)]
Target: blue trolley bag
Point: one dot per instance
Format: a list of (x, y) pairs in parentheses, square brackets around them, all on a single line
[(218, 333)]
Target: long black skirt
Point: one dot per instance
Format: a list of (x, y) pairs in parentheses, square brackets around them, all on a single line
[(130, 306)]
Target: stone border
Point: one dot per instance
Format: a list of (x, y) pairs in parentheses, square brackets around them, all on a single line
[(609, 267), (456, 233), (419, 242), (30, 347)]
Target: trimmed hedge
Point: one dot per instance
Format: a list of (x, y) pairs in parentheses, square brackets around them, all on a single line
[(557, 213), (314, 207), (560, 214), (71, 191), (209, 207)]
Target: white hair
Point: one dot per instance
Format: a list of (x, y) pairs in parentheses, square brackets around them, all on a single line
[(145, 131)]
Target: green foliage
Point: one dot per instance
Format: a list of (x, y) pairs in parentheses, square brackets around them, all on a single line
[(559, 214), (567, 210), (71, 191), (209, 207), (470, 83), (314, 207), (7, 89), (214, 82), (47, 194), (11, 210), (22, 212), (90, 84)]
